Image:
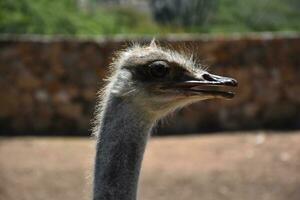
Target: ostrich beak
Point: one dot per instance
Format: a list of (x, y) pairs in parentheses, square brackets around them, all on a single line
[(206, 84)]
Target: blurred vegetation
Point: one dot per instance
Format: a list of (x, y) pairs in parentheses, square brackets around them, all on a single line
[(184, 13), (257, 15), (65, 17)]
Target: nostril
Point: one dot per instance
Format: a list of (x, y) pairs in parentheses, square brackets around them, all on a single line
[(207, 77)]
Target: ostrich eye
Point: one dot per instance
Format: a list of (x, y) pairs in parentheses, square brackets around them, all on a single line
[(159, 69)]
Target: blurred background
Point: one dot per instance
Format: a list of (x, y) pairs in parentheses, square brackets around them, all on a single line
[(54, 56)]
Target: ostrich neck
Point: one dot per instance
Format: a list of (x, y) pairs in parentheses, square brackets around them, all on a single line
[(120, 148)]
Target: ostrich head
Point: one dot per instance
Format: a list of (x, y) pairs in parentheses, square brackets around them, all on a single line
[(159, 80)]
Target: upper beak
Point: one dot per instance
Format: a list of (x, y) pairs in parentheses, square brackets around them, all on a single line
[(208, 84), (210, 79)]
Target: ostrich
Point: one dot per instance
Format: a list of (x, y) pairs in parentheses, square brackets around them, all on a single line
[(147, 83)]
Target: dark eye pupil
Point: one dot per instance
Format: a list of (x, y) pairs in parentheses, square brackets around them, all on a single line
[(158, 69)]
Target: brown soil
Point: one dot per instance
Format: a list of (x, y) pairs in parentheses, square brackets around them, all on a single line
[(256, 166)]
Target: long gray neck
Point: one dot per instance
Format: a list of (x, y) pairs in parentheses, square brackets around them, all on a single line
[(120, 147)]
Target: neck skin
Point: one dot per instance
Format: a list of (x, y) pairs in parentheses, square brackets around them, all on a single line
[(120, 147)]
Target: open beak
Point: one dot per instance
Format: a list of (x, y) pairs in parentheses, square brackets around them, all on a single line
[(206, 84)]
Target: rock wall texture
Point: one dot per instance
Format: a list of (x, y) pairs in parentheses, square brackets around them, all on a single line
[(48, 86)]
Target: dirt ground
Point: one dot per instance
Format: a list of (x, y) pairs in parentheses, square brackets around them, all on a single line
[(240, 166)]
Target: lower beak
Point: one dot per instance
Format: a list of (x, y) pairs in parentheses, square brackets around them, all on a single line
[(208, 84)]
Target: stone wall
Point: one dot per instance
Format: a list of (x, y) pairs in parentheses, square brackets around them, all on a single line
[(48, 86)]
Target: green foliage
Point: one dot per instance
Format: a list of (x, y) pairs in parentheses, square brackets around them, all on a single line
[(41, 16), (257, 15), (65, 18)]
